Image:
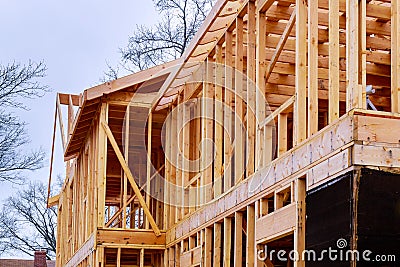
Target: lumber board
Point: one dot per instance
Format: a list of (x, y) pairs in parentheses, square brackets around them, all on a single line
[(218, 122), (250, 236), (300, 120), (251, 88), (312, 79), (217, 253), (375, 129), (208, 247), (239, 105), (238, 238), (228, 111), (101, 166), (129, 237), (277, 224), (378, 155), (328, 168), (61, 122), (260, 88), (352, 53), (334, 65), (282, 133), (280, 45), (395, 56), (81, 253), (132, 181), (300, 229), (227, 242)]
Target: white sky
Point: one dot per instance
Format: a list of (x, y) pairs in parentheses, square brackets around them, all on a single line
[(75, 39)]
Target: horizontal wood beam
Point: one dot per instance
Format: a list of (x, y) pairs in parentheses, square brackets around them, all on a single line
[(129, 237)]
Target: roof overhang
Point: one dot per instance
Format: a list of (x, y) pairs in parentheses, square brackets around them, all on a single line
[(145, 81)]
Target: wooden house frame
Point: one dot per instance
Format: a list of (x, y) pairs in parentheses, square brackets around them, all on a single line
[(204, 160)]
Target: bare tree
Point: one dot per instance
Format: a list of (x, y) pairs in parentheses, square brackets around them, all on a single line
[(168, 39), (17, 82), (26, 223)]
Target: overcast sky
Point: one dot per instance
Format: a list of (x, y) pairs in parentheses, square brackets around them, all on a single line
[(75, 39)]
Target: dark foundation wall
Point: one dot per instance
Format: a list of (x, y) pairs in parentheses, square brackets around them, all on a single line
[(378, 213), (328, 210), (362, 207)]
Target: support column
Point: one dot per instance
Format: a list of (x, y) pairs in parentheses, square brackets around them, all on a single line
[(208, 246), (260, 160), (313, 67), (238, 254), (395, 56), (218, 120), (300, 118), (250, 240), (239, 121), (300, 230), (101, 166), (228, 114), (251, 88), (353, 92), (334, 67), (217, 244), (148, 163), (227, 241)]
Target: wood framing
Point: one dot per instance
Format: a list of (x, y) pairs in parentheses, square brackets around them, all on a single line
[(205, 160)]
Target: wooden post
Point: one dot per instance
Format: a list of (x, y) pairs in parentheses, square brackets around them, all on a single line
[(228, 116), (125, 180), (217, 244), (218, 120), (227, 241), (239, 121), (238, 254), (148, 164), (268, 144), (207, 133), (260, 89), (300, 119), (71, 116), (185, 132), (119, 257), (141, 257), (395, 56), (101, 166), (300, 231), (251, 89), (334, 68), (312, 68), (174, 159), (167, 188), (250, 239), (179, 171), (353, 97), (282, 133), (208, 241), (362, 50)]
